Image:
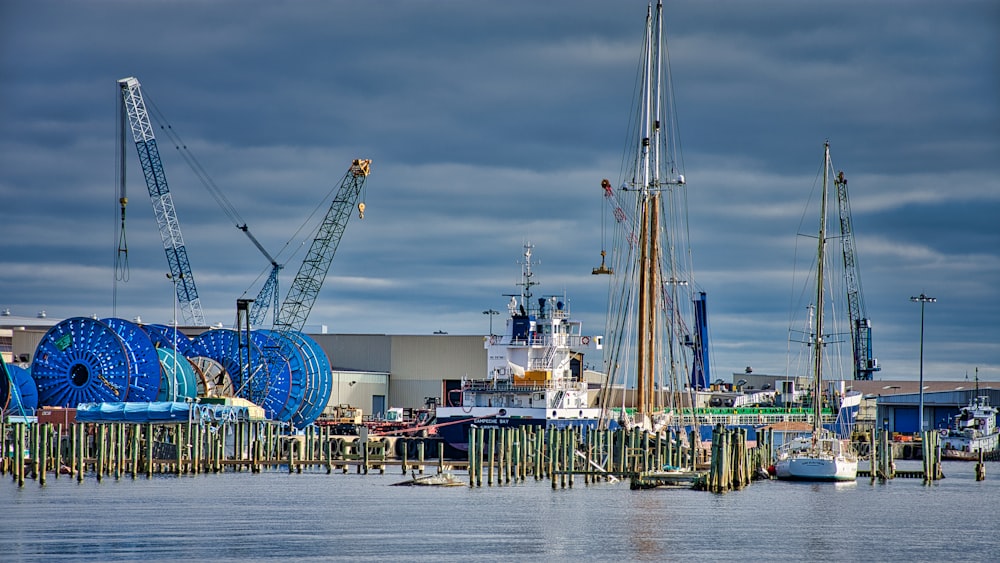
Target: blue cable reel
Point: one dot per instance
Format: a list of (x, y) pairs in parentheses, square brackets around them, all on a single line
[(82, 360), (179, 381), (162, 336), (18, 393), (321, 377), (304, 376), (270, 393), (287, 372), (144, 363)]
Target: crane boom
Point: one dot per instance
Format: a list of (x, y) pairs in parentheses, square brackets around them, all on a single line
[(308, 281), (163, 204), (305, 287), (861, 327), (269, 293)]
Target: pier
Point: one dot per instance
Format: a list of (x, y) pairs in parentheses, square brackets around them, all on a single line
[(496, 456)]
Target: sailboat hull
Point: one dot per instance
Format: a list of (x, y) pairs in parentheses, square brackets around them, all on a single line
[(816, 469)]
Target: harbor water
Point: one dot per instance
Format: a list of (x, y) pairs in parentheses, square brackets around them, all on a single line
[(277, 516)]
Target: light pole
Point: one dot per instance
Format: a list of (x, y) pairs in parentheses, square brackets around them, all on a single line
[(922, 299), (491, 312), (173, 382)]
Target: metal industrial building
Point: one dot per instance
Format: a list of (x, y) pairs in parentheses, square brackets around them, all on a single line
[(379, 371)]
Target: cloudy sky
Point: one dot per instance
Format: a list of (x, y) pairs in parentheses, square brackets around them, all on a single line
[(491, 124)]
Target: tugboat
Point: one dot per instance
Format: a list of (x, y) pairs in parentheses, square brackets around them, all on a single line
[(534, 371), (973, 430)]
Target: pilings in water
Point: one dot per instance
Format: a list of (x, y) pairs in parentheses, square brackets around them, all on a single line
[(563, 455), (931, 443), (33, 450), (734, 465)]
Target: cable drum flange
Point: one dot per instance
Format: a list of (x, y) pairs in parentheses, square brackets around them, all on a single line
[(179, 381), (18, 392), (320, 377), (163, 336), (81, 360), (286, 363), (262, 387), (144, 363)]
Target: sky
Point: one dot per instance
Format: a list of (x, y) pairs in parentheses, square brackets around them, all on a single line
[(491, 125)]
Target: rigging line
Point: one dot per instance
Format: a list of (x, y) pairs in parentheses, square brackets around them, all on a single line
[(227, 207), (121, 269)]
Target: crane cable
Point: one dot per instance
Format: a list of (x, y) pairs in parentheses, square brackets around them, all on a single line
[(121, 269), (217, 194)]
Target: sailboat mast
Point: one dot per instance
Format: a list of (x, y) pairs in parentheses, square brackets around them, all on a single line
[(821, 260), (647, 259)]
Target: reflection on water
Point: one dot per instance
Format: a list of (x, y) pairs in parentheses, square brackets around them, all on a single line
[(319, 517)]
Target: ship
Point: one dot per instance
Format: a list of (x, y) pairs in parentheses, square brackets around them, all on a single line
[(534, 371), (972, 431)]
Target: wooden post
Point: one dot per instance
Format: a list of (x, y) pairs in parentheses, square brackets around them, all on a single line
[(404, 447), (420, 455), (19, 441), (491, 456), (472, 451), (440, 458)]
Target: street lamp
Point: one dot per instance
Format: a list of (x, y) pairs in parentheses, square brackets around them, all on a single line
[(491, 313), (173, 383), (922, 299)]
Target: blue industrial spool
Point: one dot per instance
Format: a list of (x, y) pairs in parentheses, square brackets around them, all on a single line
[(82, 360), (18, 394), (321, 377), (179, 382), (307, 376), (163, 337), (288, 364), (144, 363), (268, 390)]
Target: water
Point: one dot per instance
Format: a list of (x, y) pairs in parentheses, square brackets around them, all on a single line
[(318, 517)]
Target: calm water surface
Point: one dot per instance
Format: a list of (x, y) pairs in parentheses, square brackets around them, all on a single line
[(318, 517)]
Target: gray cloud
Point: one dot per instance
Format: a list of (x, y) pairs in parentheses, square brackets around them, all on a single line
[(491, 124)]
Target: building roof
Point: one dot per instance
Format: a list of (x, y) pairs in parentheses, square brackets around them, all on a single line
[(905, 387)]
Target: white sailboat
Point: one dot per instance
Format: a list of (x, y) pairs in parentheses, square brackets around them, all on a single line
[(821, 455)]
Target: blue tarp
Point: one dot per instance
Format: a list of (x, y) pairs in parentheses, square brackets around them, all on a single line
[(160, 412), (135, 412)]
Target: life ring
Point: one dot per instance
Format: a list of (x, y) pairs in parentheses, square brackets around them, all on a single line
[(585, 340)]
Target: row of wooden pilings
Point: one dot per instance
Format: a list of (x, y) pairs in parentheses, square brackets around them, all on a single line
[(503, 455), (118, 449), (36, 450), (882, 465), (734, 465)]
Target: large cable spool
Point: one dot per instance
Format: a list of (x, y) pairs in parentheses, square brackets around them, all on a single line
[(266, 388), (213, 380), (83, 360), (320, 377), (288, 366), (305, 376), (144, 363), (164, 336), (179, 381), (18, 393)]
